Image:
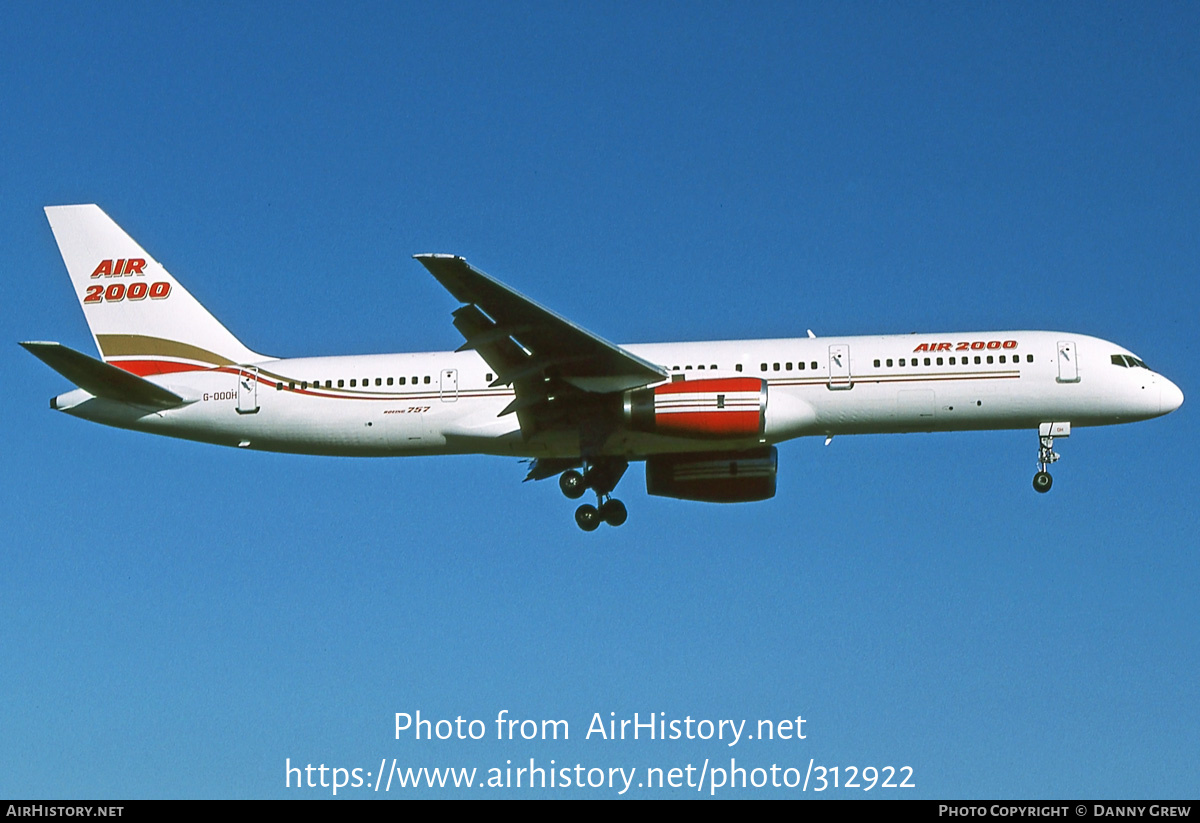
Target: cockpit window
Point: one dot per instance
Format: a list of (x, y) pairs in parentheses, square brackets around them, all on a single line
[(1128, 361)]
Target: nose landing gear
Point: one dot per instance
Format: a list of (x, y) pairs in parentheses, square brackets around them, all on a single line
[(600, 476), (1046, 454)]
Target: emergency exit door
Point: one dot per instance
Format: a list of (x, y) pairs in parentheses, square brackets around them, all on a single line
[(449, 385), (1068, 363), (247, 391), (839, 367)]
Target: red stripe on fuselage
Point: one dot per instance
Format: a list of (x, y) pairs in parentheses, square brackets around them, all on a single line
[(142, 368)]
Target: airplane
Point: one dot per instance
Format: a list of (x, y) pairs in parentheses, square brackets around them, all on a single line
[(705, 417)]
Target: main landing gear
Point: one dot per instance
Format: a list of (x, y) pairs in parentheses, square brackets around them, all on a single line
[(1046, 454), (601, 477)]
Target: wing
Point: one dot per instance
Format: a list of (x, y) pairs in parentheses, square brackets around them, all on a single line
[(544, 356)]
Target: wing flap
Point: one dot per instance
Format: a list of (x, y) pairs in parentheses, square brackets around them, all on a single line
[(101, 379), (493, 342)]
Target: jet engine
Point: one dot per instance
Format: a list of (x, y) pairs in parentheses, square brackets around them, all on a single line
[(716, 477), (724, 408)]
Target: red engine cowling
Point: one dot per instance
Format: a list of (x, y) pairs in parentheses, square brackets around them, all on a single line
[(717, 477), (723, 407)]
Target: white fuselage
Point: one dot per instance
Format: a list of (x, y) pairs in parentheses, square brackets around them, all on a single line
[(443, 403)]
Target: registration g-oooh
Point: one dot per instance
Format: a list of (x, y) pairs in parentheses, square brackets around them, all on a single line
[(704, 417)]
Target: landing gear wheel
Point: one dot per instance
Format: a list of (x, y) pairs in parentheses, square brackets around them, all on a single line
[(1046, 454), (588, 517), (614, 513), (572, 484)]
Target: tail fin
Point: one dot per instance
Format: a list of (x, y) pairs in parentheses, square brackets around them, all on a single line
[(143, 321)]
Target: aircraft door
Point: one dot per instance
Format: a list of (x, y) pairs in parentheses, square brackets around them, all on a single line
[(1068, 363), (839, 367), (449, 385), (247, 392)]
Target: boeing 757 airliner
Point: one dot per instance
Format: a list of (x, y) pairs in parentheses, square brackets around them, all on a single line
[(704, 417)]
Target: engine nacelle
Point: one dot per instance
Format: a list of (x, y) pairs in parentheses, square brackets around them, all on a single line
[(723, 407), (717, 477)]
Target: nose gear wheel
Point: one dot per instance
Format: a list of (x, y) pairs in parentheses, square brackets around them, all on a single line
[(1046, 455)]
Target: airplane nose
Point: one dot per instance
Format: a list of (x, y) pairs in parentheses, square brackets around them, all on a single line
[(1170, 397)]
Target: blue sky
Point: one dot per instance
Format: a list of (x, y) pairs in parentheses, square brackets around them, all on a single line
[(180, 619)]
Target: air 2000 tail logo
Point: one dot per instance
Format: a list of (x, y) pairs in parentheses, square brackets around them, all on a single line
[(119, 268), (115, 292)]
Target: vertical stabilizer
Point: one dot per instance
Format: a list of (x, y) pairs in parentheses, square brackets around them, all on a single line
[(142, 320)]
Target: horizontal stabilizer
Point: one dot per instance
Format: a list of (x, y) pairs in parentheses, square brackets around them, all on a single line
[(101, 379)]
